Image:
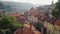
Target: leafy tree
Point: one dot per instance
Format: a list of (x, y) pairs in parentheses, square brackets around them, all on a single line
[(8, 22), (56, 9), (12, 21)]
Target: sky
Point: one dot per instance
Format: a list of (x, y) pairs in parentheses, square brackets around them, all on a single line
[(33, 1)]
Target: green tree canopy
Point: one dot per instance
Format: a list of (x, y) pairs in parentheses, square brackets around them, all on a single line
[(56, 9), (8, 22)]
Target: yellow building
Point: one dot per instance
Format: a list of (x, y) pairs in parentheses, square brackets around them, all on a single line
[(57, 26), (53, 29), (49, 27)]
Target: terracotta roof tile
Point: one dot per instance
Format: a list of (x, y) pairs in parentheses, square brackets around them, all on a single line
[(57, 22), (25, 31)]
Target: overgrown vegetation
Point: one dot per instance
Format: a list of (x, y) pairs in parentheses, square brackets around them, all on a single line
[(8, 24)]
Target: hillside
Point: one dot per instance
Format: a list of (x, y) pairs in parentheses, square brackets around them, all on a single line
[(16, 6)]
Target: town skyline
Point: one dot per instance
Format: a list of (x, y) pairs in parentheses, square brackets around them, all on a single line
[(35, 2)]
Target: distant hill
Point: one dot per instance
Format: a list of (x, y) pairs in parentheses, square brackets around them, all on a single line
[(16, 6)]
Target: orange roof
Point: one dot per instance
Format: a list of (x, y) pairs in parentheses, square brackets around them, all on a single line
[(25, 31), (22, 17), (57, 22), (34, 13), (15, 14)]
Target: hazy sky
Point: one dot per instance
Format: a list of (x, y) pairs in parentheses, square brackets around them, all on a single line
[(33, 1)]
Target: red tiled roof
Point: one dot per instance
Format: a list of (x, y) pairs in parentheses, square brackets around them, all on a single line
[(22, 17), (14, 14), (33, 13), (25, 31), (57, 22)]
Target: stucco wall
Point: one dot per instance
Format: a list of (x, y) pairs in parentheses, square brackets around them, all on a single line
[(50, 27)]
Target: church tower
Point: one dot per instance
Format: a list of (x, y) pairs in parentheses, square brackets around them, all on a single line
[(52, 2)]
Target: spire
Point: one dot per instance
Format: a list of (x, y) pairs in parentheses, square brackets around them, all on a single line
[(52, 2)]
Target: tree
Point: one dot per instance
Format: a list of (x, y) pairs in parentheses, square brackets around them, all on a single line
[(8, 22), (56, 10)]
